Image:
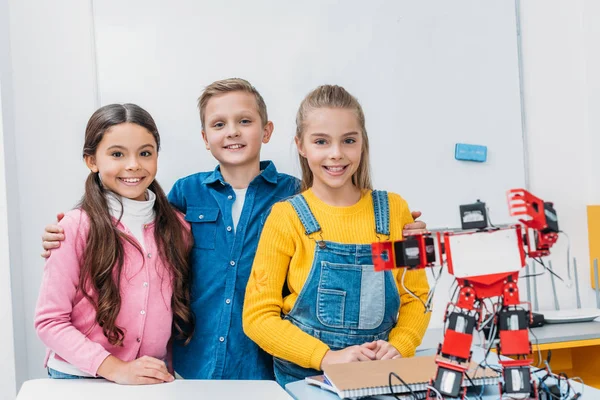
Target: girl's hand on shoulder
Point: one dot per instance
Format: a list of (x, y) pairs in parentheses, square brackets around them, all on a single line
[(349, 354), (415, 227), (383, 350), (142, 371)]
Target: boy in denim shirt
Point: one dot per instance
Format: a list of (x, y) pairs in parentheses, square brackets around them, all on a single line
[(226, 208)]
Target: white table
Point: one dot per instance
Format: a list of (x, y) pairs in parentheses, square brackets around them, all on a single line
[(180, 389), (549, 333)]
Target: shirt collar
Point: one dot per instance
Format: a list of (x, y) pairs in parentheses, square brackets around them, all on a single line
[(267, 168), (214, 176), (268, 171)]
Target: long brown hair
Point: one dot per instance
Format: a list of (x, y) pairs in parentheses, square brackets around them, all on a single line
[(104, 255), (333, 96)]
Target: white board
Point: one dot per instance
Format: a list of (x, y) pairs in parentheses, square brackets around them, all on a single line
[(429, 74)]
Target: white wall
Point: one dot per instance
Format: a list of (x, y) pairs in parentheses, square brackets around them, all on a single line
[(48, 87), (53, 80), (561, 82), (591, 31), (7, 367), (10, 283)]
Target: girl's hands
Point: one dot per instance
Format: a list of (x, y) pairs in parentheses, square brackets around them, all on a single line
[(349, 354), (143, 371), (383, 350), (377, 350)]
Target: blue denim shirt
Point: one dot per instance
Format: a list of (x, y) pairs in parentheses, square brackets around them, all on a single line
[(221, 263)]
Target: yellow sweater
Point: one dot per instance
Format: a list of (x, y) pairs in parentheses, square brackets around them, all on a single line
[(284, 250)]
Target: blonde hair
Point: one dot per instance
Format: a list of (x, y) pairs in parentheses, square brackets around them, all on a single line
[(333, 96), (227, 86)]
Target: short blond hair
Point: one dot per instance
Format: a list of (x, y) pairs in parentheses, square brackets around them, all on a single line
[(333, 96), (227, 86)]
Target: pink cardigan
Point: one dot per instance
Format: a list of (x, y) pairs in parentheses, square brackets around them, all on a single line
[(65, 320)]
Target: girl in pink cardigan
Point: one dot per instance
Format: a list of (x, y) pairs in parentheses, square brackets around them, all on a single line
[(118, 286)]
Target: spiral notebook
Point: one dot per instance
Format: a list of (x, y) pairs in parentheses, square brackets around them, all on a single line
[(370, 378), (323, 383)]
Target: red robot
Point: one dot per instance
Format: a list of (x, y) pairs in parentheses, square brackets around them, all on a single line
[(486, 264)]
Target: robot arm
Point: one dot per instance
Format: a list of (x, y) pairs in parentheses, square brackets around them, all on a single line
[(541, 219)]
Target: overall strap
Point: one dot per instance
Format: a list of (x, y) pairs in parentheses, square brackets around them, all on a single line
[(382, 212), (306, 216)]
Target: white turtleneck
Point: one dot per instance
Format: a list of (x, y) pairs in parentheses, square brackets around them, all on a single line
[(136, 213)]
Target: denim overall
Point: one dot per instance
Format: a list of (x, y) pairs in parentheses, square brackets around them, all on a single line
[(344, 302)]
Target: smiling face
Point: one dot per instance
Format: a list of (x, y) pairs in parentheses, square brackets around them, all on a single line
[(332, 145), (126, 160), (233, 129)]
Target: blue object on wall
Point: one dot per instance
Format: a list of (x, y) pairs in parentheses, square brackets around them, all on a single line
[(470, 152)]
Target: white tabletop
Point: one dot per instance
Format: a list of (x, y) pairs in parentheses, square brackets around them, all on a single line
[(552, 333), (549, 333), (180, 389)]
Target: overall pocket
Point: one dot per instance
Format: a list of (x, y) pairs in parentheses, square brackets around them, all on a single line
[(204, 226), (350, 296)]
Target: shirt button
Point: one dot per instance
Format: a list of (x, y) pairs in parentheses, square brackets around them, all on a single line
[(228, 301), (221, 339), (229, 197), (145, 284), (149, 255), (138, 340), (228, 229), (232, 263), (142, 312), (201, 216)]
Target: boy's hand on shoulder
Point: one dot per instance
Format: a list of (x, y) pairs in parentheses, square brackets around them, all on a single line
[(349, 354), (142, 371), (52, 236), (415, 227), (383, 350)]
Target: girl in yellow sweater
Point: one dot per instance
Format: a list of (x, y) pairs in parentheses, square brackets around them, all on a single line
[(313, 297)]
